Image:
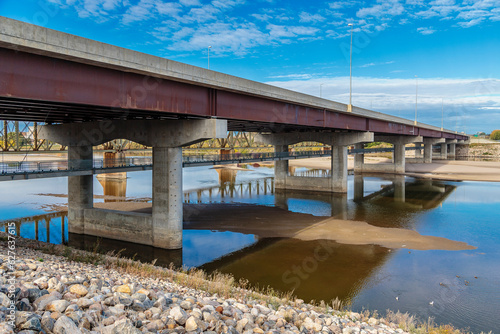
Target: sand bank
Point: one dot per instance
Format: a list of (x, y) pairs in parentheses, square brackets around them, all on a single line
[(272, 222)]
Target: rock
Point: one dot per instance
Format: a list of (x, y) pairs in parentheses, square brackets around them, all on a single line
[(186, 305), (33, 294), (32, 324), (42, 301), (122, 298), (4, 300), (65, 325), (84, 302), (48, 324), (138, 306), (373, 322), (191, 324), (124, 289), (124, 326), (241, 307), (240, 325), (23, 305), (179, 315), (219, 309), (78, 289), (57, 306), (139, 296)]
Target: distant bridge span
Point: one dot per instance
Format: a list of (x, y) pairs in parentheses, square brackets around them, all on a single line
[(53, 77)]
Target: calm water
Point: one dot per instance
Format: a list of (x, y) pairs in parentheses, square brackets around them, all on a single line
[(368, 277)]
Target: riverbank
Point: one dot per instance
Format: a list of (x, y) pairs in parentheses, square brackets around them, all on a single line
[(63, 290)]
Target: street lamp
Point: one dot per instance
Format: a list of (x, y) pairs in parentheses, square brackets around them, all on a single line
[(209, 56), (416, 99), (442, 114), (349, 107)]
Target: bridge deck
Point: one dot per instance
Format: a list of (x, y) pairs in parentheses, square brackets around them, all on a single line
[(50, 76)]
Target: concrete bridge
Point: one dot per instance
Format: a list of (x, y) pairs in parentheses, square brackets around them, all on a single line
[(90, 93)]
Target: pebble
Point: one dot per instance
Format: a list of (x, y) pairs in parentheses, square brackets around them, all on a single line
[(62, 297)]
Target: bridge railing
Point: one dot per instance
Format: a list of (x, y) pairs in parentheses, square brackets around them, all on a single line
[(191, 160)]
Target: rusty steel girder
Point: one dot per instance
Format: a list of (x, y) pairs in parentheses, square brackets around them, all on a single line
[(40, 88)]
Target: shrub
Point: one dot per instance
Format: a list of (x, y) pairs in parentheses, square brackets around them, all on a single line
[(495, 135)]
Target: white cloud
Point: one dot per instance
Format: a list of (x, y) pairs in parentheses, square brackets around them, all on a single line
[(426, 30), (464, 99), (307, 17), (140, 12), (383, 8), (189, 3), (470, 23)]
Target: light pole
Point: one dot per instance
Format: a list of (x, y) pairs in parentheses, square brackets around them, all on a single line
[(416, 99), (442, 114), (320, 91), (209, 56), (349, 107)]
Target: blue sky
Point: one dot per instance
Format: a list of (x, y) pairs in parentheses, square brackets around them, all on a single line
[(452, 46)]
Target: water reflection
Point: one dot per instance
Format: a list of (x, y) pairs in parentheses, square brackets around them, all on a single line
[(114, 186), (366, 275), (314, 270), (50, 227)]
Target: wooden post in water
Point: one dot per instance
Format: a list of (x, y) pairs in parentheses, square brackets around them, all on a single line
[(36, 230), (18, 229)]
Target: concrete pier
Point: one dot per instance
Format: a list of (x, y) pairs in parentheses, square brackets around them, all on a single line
[(398, 165), (428, 143), (80, 188), (162, 228), (337, 182), (167, 197)]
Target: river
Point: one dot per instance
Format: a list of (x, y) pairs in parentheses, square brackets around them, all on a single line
[(457, 287)]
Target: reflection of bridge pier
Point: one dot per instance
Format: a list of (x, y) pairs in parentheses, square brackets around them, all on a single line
[(417, 194), (338, 202), (37, 220), (230, 189)]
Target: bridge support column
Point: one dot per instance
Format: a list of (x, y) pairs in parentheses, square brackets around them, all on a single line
[(444, 151), (428, 143), (398, 158), (418, 153), (167, 197), (452, 145), (80, 188), (338, 178), (359, 158), (280, 168), (337, 182)]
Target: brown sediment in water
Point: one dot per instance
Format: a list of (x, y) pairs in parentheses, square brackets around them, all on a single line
[(272, 222)]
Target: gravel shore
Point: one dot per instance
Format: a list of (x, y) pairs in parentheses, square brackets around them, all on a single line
[(44, 293)]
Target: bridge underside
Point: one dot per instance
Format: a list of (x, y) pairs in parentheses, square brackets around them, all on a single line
[(39, 88)]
